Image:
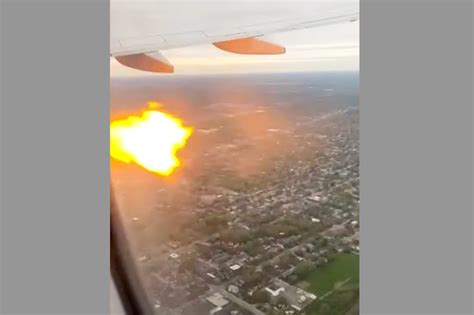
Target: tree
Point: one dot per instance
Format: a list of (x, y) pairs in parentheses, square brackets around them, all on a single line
[(187, 264), (324, 242), (259, 297), (303, 269), (267, 267), (253, 248), (281, 300), (252, 277)]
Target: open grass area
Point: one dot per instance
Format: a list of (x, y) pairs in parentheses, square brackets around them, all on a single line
[(342, 272), (339, 302), (336, 284)]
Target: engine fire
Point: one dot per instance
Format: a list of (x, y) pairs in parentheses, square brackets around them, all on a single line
[(150, 140)]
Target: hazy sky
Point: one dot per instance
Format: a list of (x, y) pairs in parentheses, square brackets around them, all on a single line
[(331, 47)]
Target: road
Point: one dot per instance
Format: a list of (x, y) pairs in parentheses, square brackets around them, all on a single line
[(240, 302)]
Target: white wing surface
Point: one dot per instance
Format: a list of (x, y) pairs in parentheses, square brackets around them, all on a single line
[(140, 29)]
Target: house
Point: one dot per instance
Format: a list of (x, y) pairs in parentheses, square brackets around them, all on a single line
[(296, 297)]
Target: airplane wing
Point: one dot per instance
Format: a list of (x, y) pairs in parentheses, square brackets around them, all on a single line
[(142, 29)]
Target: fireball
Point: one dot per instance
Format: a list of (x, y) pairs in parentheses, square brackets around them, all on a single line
[(150, 140)]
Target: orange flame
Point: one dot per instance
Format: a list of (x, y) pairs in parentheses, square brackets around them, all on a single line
[(150, 140)]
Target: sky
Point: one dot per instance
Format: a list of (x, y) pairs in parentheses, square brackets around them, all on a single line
[(324, 48)]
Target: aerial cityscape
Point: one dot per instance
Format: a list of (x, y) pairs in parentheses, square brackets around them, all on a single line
[(262, 217)]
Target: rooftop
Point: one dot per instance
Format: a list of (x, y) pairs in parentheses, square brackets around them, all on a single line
[(217, 299)]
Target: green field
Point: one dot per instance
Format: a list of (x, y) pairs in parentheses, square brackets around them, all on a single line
[(344, 268), (340, 277)]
